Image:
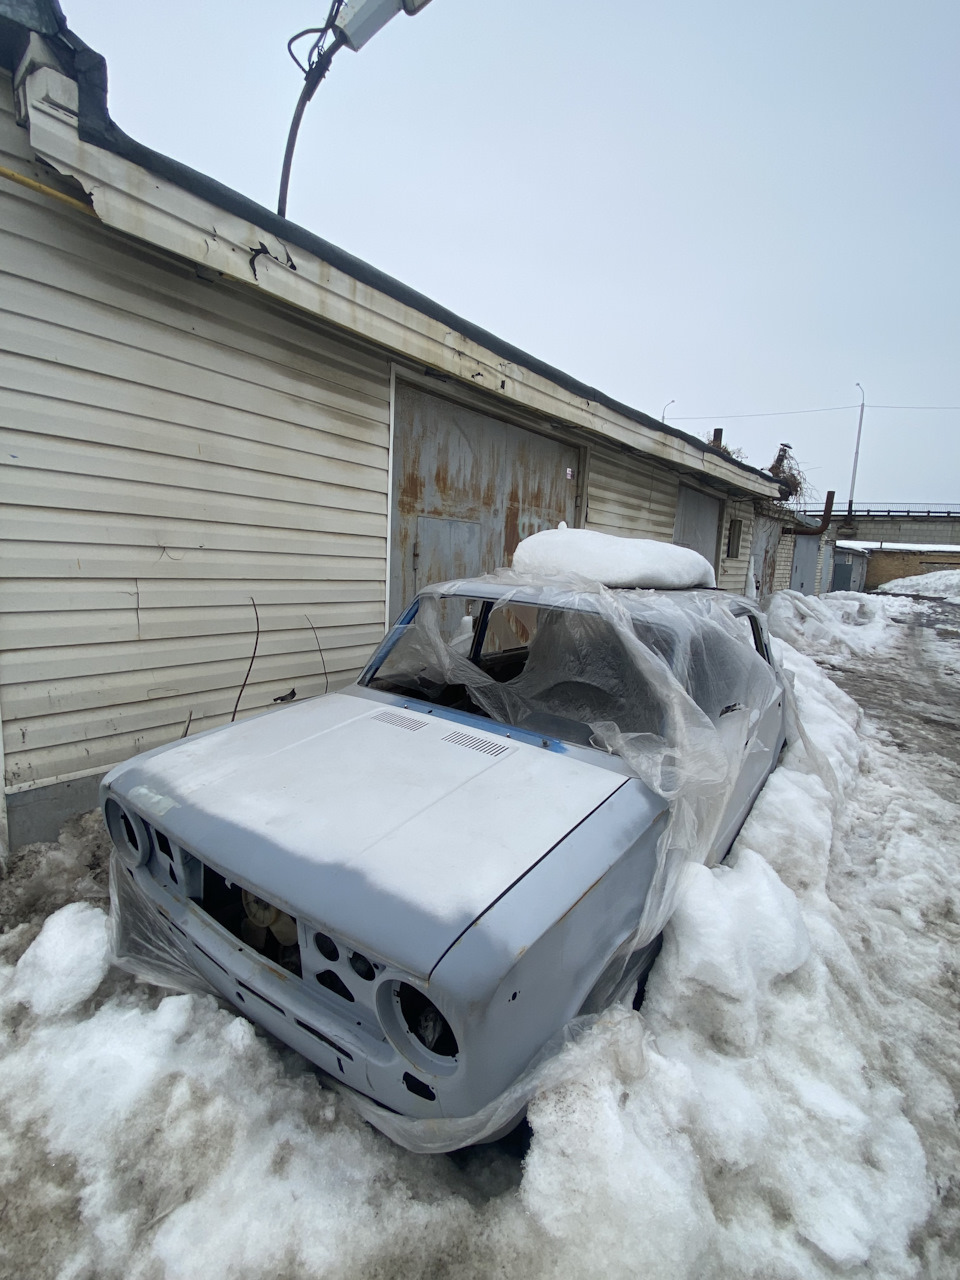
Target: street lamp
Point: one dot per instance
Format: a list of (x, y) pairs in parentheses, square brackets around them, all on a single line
[(351, 23), (663, 416), (856, 455)]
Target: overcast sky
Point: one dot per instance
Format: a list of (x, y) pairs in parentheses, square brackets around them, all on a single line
[(740, 207)]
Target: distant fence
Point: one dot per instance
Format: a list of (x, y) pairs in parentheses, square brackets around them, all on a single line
[(914, 510)]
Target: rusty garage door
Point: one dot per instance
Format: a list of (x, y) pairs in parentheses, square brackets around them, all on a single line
[(466, 488)]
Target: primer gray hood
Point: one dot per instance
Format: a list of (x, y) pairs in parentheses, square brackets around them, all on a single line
[(387, 825)]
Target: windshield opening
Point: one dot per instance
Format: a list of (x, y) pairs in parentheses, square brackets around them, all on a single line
[(550, 670)]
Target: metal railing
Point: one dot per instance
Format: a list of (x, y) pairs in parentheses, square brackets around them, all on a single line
[(935, 510)]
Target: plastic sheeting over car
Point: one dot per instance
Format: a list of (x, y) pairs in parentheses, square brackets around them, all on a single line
[(671, 683)]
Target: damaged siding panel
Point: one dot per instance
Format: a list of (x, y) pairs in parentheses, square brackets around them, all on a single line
[(321, 282), (183, 321), (630, 497), (172, 448)]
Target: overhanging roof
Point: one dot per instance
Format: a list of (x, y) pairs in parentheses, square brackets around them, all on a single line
[(94, 126)]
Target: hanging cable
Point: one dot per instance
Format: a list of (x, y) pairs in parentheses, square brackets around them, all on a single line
[(319, 58)]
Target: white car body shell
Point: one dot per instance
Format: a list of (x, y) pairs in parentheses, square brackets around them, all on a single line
[(497, 872)]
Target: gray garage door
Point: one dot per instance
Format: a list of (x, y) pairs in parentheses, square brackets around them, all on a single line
[(698, 522), (803, 573), (466, 488)]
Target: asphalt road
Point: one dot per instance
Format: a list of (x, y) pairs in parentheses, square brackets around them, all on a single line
[(913, 690)]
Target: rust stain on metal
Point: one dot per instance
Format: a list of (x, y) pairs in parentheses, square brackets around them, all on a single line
[(581, 898), (410, 496), (459, 465)]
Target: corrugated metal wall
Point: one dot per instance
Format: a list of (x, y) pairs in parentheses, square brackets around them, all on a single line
[(630, 496), (171, 449)]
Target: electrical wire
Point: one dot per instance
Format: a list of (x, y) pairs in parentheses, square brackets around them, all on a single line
[(834, 408), (321, 33), (783, 413), (307, 31), (318, 64), (256, 645)]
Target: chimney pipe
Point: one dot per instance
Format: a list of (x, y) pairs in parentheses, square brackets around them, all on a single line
[(717, 437), (801, 531)]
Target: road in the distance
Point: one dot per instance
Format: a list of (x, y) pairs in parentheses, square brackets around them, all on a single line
[(913, 690)]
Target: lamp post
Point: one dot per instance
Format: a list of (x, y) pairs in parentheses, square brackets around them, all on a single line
[(351, 23), (856, 456), (663, 416)]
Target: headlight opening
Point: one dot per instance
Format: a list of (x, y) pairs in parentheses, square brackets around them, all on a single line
[(127, 832), (424, 1021)]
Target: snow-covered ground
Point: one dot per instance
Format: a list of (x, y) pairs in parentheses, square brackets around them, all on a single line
[(785, 1106), (944, 583)]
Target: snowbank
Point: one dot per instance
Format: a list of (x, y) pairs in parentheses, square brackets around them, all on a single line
[(615, 562), (841, 622), (782, 1108), (944, 583)]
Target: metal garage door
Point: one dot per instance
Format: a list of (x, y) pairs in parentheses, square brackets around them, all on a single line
[(803, 574), (466, 488), (698, 522)]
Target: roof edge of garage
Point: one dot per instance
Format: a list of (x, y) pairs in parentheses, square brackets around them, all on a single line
[(96, 127)]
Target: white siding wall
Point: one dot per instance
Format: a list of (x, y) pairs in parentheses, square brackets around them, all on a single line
[(172, 447), (636, 499), (630, 497), (733, 571), (781, 577)]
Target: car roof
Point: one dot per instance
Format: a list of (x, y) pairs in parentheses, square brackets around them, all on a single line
[(576, 593)]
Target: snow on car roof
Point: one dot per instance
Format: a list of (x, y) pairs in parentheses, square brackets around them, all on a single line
[(612, 561)]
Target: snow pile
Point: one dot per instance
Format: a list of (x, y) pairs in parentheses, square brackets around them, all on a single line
[(612, 561), (66, 963), (843, 621), (783, 1108), (944, 583)]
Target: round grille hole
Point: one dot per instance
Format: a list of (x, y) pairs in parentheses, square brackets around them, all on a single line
[(326, 946), (362, 967)]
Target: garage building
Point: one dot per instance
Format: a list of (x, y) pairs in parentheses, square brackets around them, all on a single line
[(218, 429)]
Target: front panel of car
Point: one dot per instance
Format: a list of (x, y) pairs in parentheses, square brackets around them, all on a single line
[(442, 1047), (344, 1009)]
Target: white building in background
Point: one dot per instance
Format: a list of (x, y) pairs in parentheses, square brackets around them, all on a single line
[(204, 406)]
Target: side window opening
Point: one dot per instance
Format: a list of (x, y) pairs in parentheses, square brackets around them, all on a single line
[(734, 536), (749, 627)]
